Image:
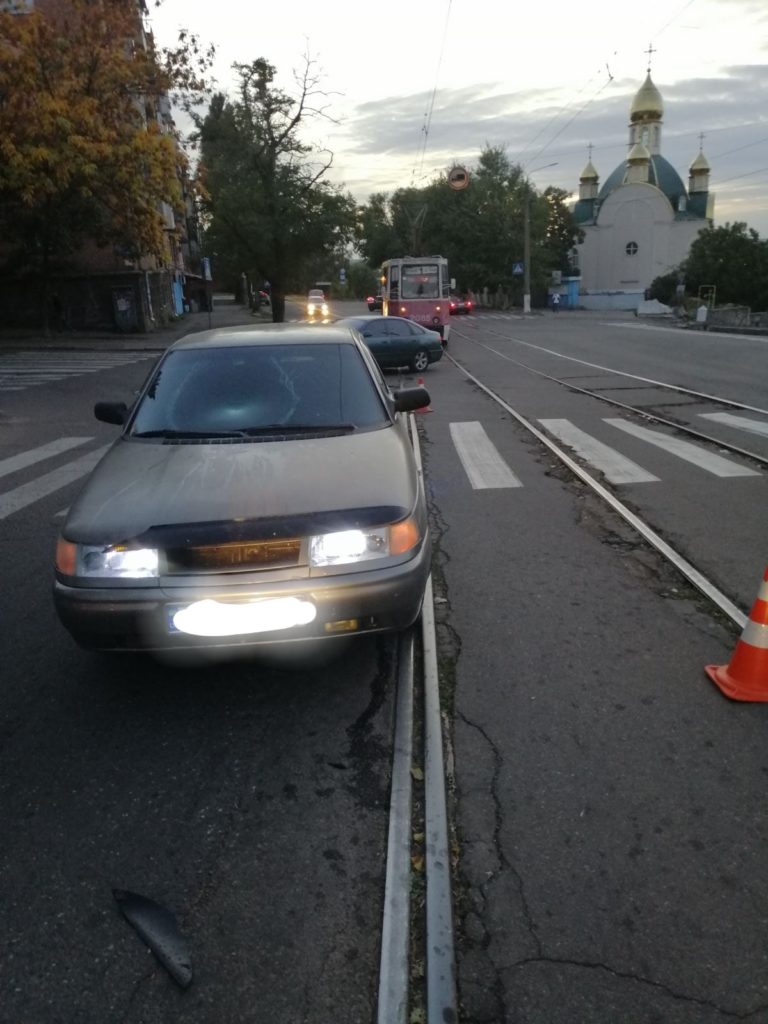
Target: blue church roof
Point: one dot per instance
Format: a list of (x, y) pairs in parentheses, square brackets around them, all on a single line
[(661, 173)]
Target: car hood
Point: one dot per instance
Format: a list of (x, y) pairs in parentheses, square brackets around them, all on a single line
[(139, 486)]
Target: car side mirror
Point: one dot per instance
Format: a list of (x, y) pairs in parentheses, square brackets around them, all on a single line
[(111, 412), (408, 399)]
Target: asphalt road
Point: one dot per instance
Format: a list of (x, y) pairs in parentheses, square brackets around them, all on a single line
[(607, 800)]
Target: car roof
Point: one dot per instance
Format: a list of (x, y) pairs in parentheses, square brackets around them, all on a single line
[(362, 319), (267, 334)]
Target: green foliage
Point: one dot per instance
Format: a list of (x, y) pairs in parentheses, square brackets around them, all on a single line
[(83, 157), (480, 229), (664, 288), (267, 211), (734, 259)]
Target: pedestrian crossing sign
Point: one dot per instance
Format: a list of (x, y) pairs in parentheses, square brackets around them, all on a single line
[(517, 268)]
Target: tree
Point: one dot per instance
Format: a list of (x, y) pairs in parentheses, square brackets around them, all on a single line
[(562, 232), (734, 259), (480, 228), (268, 212), (83, 156)]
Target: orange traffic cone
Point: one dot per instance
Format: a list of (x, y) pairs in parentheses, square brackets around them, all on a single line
[(745, 677), (424, 408)]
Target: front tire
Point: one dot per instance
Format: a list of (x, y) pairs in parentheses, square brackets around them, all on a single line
[(420, 361)]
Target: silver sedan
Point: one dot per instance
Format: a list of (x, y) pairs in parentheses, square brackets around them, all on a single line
[(263, 490)]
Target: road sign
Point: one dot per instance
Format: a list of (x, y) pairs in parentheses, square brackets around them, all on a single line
[(342, 275), (518, 268), (458, 178)]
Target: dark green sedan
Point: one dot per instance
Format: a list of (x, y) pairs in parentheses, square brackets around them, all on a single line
[(395, 341)]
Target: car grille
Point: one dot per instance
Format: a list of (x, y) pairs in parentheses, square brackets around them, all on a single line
[(237, 557)]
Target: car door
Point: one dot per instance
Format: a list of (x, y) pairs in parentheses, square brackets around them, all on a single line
[(376, 337), (403, 342)]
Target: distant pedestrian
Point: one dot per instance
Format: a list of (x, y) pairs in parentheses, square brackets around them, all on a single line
[(556, 302)]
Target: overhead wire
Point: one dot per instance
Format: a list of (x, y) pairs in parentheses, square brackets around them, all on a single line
[(581, 110), (428, 113)]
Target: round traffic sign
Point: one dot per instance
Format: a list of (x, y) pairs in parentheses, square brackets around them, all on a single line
[(458, 178)]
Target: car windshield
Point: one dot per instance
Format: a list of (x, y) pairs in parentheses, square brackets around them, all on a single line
[(257, 390)]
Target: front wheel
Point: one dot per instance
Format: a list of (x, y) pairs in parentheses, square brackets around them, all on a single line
[(420, 361)]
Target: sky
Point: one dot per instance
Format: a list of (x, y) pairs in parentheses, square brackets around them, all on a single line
[(412, 87)]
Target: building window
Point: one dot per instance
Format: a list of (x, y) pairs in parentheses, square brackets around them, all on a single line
[(631, 249)]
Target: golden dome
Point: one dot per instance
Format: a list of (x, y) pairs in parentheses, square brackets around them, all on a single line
[(700, 163), (589, 173), (638, 154), (647, 103)]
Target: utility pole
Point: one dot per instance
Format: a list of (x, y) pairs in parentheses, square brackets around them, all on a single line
[(527, 252)]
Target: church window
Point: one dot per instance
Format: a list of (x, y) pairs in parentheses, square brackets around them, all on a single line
[(631, 249)]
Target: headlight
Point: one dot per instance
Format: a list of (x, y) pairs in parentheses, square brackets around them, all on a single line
[(324, 310), (310, 309), (104, 561), (347, 547)]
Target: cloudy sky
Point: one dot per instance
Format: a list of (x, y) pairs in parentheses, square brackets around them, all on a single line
[(418, 85)]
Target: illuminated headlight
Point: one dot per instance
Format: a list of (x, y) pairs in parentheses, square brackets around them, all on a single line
[(311, 309), (100, 561), (347, 547), (324, 310)]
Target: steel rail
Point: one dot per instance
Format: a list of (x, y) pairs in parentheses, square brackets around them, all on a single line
[(395, 930), (440, 955), (689, 571), (636, 409), (622, 373)]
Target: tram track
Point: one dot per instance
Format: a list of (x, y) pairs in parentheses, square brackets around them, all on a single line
[(689, 571), (644, 413), (437, 923)]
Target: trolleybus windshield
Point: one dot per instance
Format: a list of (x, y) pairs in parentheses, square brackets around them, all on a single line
[(420, 281)]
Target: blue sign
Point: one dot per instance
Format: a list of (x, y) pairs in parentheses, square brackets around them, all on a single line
[(517, 268), (342, 275)]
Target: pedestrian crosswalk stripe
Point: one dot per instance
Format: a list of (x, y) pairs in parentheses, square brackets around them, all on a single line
[(692, 453), (742, 423), (481, 461), (615, 467), (46, 451), (26, 494), (20, 370)]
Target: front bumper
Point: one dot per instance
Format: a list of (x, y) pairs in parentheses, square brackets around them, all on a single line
[(136, 618)]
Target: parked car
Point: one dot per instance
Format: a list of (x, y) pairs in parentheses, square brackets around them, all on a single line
[(375, 302), (395, 341), (263, 490), (316, 304), (457, 304)]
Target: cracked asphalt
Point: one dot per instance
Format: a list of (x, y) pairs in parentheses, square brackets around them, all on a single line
[(608, 801)]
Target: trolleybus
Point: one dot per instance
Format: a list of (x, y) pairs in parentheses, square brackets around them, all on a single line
[(418, 287)]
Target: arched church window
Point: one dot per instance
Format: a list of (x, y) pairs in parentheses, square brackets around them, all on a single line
[(631, 249)]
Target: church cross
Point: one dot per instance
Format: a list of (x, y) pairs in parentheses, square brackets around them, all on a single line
[(650, 51)]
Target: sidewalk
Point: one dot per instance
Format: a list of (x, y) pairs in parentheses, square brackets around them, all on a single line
[(224, 314)]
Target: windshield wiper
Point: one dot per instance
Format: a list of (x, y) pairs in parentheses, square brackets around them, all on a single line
[(300, 428), (182, 434)]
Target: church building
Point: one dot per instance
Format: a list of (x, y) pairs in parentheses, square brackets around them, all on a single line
[(641, 221)]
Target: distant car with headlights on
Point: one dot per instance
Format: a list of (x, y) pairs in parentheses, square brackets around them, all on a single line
[(263, 490), (457, 304), (316, 304), (396, 341)]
